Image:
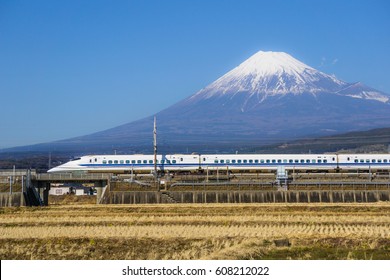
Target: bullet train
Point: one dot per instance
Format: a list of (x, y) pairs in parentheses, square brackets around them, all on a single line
[(231, 162)]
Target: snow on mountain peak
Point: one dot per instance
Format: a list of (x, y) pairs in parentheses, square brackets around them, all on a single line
[(270, 63), (272, 73)]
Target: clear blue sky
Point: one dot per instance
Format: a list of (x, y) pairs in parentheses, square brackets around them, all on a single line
[(70, 68)]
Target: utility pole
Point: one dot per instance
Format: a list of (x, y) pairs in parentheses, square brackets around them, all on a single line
[(49, 160), (155, 149)]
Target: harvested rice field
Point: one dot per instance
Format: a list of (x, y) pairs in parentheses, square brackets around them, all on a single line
[(197, 231)]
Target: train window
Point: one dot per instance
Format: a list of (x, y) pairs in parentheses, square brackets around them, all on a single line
[(274, 160), (127, 161), (95, 159), (151, 161), (104, 162), (162, 161), (385, 160), (90, 161), (279, 161), (139, 161), (145, 161), (221, 161), (373, 160), (319, 161), (302, 161), (256, 161), (362, 160), (204, 159), (333, 159), (216, 161), (133, 161), (110, 162), (228, 161), (348, 158), (367, 160), (308, 161), (356, 160), (379, 161), (285, 161), (290, 161), (267, 161), (251, 161), (121, 162), (233, 161), (325, 160), (262, 161), (174, 161), (181, 159), (115, 161), (313, 161), (239, 161), (296, 161), (245, 161)]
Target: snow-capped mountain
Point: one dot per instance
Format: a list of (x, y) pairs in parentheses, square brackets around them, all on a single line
[(268, 74), (271, 97), (271, 73)]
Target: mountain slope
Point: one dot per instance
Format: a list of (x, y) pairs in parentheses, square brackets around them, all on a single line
[(271, 97)]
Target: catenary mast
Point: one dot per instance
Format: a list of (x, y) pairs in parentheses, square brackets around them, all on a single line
[(155, 147)]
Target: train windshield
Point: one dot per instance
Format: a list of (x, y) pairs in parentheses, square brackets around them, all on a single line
[(75, 159)]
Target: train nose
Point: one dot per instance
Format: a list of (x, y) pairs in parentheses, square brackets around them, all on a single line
[(54, 170)]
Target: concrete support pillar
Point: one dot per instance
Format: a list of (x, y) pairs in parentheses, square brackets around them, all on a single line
[(43, 191), (158, 196), (22, 202), (40, 189), (45, 198), (98, 185)]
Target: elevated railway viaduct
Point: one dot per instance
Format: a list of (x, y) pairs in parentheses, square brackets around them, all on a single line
[(217, 188)]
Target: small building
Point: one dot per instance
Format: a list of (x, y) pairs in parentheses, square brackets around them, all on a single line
[(61, 190)]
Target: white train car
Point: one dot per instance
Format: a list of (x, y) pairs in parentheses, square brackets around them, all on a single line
[(232, 162), (128, 163)]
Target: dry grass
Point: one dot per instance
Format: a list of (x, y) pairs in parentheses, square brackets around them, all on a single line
[(226, 231)]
